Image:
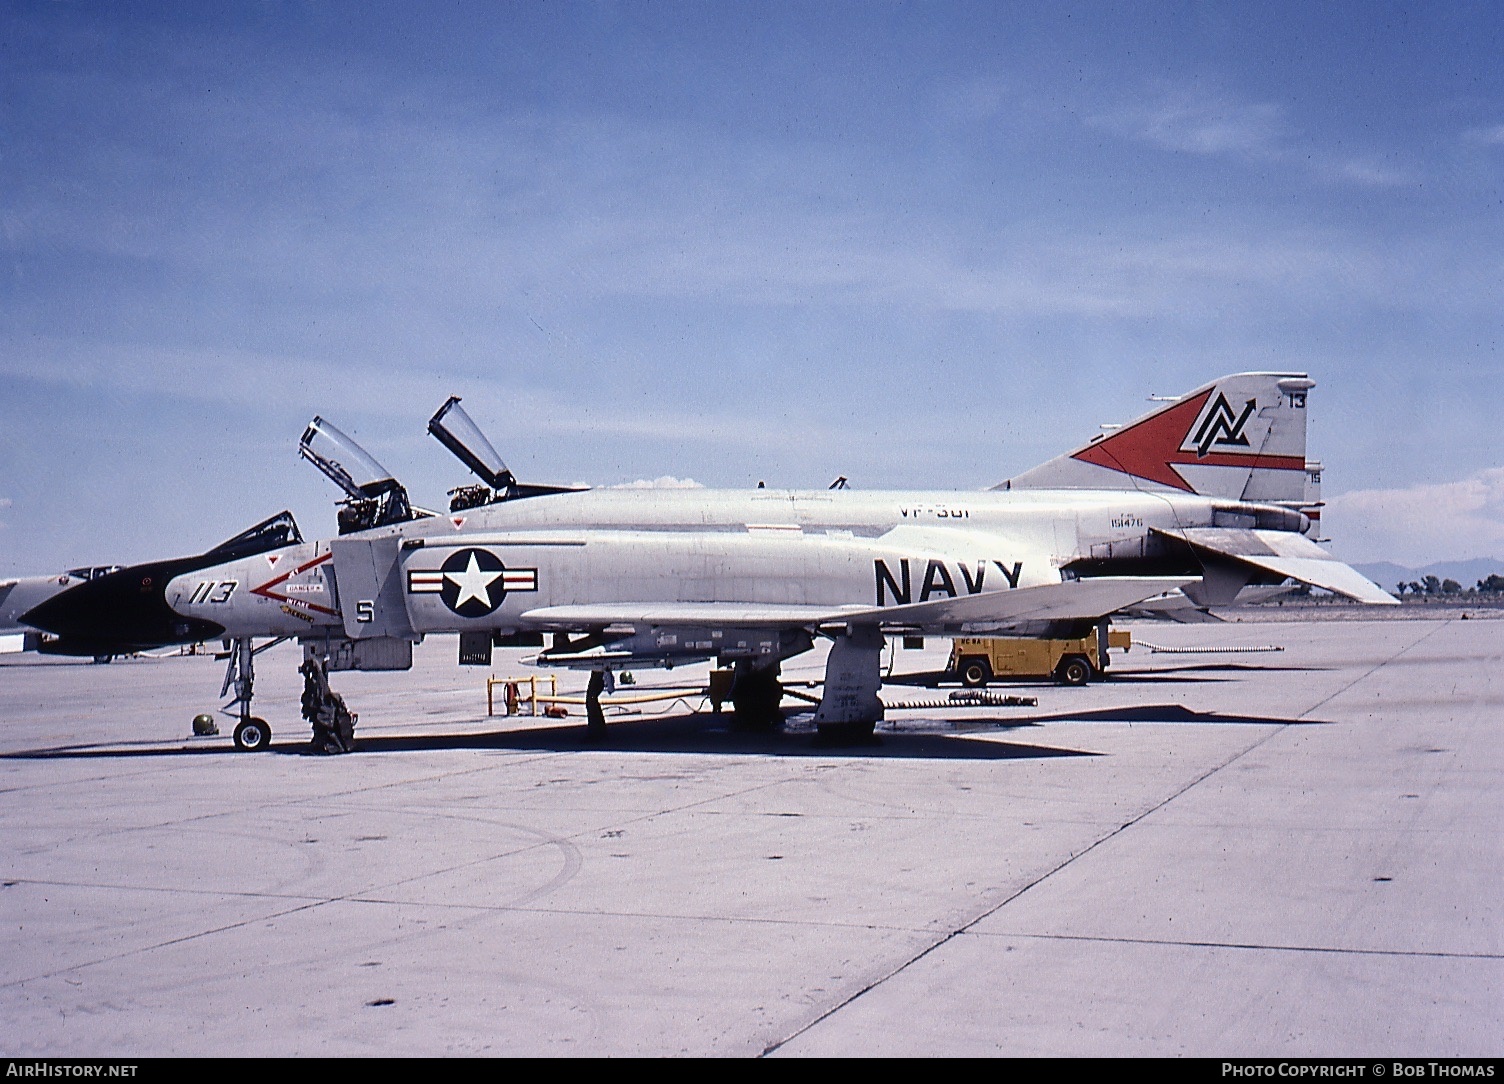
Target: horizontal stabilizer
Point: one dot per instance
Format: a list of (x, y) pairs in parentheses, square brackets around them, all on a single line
[(1288, 554)]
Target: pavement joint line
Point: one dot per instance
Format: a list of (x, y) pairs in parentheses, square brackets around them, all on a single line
[(570, 841), (1376, 667), (1248, 946), (571, 867), (291, 803), (967, 927), (184, 939), (476, 908)]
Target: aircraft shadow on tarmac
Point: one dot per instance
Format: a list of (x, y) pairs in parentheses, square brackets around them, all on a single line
[(706, 734), (682, 733), (1200, 671), (1203, 671), (898, 738), (1167, 713)]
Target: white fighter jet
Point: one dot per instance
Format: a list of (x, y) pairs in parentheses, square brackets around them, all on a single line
[(1207, 495)]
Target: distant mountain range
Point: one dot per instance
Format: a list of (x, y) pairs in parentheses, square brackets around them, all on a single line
[(1387, 574)]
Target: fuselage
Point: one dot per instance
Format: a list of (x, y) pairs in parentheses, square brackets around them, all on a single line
[(484, 568)]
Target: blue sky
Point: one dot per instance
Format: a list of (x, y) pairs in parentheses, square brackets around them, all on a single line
[(921, 245)]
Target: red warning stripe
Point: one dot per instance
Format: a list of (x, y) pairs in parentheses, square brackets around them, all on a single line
[(265, 589)]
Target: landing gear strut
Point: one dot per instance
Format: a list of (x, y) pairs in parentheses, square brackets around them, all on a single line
[(595, 717), (333, 723), (850, 709), (251, 733)]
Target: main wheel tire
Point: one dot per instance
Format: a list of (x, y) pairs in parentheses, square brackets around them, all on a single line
[(1073, 670), (975, 672), (845, 733), (252, 735), (755, 703), (756, 713)]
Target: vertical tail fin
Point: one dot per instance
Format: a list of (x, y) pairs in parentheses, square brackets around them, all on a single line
[(1313, 504), (1242, 437)]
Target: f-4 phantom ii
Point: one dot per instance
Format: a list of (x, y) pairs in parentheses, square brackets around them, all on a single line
[(1206, 496), (23, 595)]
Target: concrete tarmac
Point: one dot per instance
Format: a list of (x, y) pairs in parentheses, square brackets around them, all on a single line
[(1228, 855)]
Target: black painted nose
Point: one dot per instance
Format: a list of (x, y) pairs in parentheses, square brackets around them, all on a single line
[(122, 612)]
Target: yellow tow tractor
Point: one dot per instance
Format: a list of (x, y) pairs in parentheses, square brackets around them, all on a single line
[(975, 662)]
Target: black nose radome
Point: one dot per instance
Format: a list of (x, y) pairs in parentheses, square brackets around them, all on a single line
[(122, 612)]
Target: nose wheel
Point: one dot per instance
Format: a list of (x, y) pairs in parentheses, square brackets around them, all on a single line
[(252, 735)]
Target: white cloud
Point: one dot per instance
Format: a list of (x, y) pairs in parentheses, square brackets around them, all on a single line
[(1184, 119), (790, 259), (1421, 524), (380, 388), (1192, 120), (1493, 135), (1368, 171), (665, 482)]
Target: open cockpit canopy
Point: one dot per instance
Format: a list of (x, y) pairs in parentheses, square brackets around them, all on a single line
[(270, 534), (455, 430), (373, 498)]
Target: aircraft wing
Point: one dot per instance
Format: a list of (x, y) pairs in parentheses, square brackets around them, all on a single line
[(1072, 599), (745, 614), (1085, 599), (1287, 554)]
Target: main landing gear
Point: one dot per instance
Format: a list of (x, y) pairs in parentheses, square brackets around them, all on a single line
[(333, 723), (595, 716), (756, 694), (850, 709)]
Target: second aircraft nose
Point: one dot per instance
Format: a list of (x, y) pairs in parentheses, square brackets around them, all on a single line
[(121, 612)]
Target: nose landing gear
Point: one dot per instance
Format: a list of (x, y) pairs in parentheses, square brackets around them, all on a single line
[(333, 723), (252, 735)]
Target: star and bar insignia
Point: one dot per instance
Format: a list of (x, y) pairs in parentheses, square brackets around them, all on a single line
[(472, 582)]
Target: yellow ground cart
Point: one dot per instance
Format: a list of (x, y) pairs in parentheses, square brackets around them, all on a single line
[(975, 662)]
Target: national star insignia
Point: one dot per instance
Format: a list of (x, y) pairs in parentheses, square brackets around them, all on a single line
[(474, 583)]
